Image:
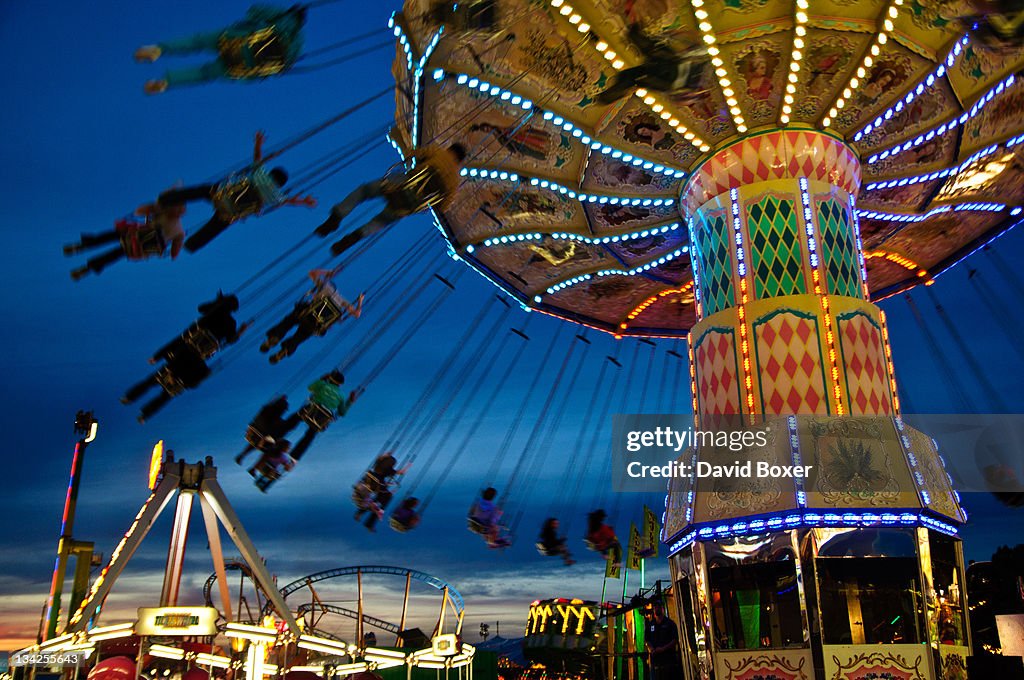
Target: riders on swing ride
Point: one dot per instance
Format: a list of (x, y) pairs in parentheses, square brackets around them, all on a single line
[(484, 518), (216, 326), (995, 25), (431, 183), (252, 191), (268, 426), (267, 42), (663, 70), (550, 544), (601, 537), (185, 356), (325, 404), (274, 461), (137, 239), (405, 517), (318, 310), (372, 493)]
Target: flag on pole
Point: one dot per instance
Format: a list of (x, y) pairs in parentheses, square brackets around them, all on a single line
[(635, 546), (652, 533)]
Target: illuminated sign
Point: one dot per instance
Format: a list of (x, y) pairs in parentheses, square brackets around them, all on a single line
[(177, 621), (446, 645), (154, 463), (563, 617)]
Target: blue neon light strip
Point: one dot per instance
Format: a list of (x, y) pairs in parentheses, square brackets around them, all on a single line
[(948, 125), (567, 236), (963, 207), (583, 197), (794, 447), (927, 177), (913, 94), (574, 130), (616, 272), (812, 244), (918, 477), (741, 264), (860, 247), (403, 40), (804, 519), (418, 85)]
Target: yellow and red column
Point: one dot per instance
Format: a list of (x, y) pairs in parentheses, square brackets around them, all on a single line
[(784, 324)]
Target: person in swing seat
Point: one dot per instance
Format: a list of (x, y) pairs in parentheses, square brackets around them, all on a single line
[(253, 191), (318, 310), (430, 183), (552, 544), (158, 230), (267, 42)]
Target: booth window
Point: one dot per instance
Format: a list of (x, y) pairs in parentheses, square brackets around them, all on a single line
[(869, 600), (756, 605)]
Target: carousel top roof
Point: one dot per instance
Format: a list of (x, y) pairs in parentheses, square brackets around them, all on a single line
[(572, 205)]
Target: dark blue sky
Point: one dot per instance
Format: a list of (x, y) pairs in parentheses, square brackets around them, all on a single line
[(83, 145)]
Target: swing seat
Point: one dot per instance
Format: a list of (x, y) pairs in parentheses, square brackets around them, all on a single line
[(415, 193), (169, 382), (545, 551), (237, 198), (316, 416), (264, 482), (323, 311), (476, 526), (140, 241), (257, 55), (202, 341), (253, 437), (402, 527)]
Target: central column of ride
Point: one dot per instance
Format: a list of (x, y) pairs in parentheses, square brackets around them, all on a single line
[(784, 327), (782, 575)]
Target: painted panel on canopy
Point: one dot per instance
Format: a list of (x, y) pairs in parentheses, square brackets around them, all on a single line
[(894, 71), (674, 311), (642, 132), (641, 250), (605, 298), (606, 175), (724, 498), (928, 110), (999, 120), (760, 67), (540, 62), (874, 232), (669, 19), (938, 153), (499, 135), (831, 57), (907, 198), (532, 266), (936, 480), (930, 23), (929, 243), (677, 270), (403, 97), (998, 177), (884, 274), (856, 462), (923, 30), (980, 68), (485, 208), (607, 219)]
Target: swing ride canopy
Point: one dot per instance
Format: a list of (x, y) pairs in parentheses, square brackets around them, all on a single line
[(585, 210)]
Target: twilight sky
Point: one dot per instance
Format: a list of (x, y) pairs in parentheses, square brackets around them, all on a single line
[(84, 146)]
